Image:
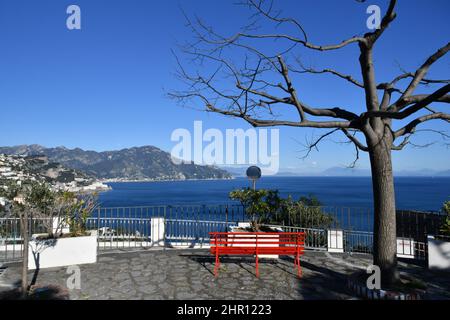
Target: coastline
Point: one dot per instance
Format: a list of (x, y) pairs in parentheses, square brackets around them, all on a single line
[(423, 194), (160, 180)]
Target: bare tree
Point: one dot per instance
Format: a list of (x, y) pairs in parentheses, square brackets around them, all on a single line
[(252, 83)]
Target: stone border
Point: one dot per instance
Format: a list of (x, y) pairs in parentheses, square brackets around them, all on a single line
[(375, 294)]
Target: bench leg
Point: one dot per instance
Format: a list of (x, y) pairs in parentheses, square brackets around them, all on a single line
[(216, 265), (257, 267), (299, 268)]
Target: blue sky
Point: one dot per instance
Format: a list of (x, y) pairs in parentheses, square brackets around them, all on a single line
[(103, 87)]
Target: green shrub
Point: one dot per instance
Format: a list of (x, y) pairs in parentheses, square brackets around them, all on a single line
[(266, 206), (81, 210), (67, 207), (445, 228), (258, 204), (305, 212)]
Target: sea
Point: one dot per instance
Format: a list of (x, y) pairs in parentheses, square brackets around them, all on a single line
[(411, 193)]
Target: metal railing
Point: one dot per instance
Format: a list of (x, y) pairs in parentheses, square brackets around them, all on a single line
[(127, 227), (418, 224), (348, 218), (314, 238), (358, 241), (131, 227), (11, 240)]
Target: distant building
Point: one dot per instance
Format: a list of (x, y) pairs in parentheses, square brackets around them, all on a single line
[(19, 199)]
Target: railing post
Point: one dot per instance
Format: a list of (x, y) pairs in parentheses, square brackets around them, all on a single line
[(226, 218), (157, 231), (165, 225), (335, 240)]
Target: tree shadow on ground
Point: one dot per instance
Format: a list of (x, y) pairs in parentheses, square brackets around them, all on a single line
[(422, 263), (35, 291), (323, 283), (437, 282), (244, 263), (317, 283), (49, 292)]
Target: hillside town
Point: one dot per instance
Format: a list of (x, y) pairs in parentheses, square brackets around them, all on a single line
[(40, 169)]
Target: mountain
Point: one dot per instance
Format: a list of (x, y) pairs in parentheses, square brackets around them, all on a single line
[(354, 172), (445, 173), (236, 171), (138, 163), (344, 171), (417, 173)]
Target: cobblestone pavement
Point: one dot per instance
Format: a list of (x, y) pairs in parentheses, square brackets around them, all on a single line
[(187, 274)]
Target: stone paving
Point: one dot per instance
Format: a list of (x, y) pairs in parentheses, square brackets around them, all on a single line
[(188, 274)]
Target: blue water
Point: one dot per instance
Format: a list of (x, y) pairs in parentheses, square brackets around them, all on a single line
[(416, 193)]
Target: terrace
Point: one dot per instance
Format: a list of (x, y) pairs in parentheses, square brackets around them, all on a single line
[(187, 274), (162, 253)]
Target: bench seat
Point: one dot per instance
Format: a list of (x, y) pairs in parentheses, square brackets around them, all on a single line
[(256, 244)]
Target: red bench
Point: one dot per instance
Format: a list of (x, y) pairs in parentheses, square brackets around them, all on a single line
[(257, 243)]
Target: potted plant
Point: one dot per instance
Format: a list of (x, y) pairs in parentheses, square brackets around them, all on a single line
[(260, 206), (266, 207), (63, 216), (439, 245)]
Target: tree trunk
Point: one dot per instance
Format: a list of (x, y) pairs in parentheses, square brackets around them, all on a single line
[(24, 285), (385, 243)]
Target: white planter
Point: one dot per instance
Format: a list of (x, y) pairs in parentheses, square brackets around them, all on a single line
[(438, 254), (243, 238), (243, 225), (62, 252)]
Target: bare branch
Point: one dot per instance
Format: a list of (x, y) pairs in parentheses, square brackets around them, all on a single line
[(373, 126), (270, 123), (421, 101), (311, 145), (407, 101), (402, 144), (258, 6), (353, 164), (385, 22), (411, 126), (275, 17), (423, 81), (422, 71), (311, 70), (406, 141), (314, 144), (255, 96), (353, 139), (443, 134), (295, 40)]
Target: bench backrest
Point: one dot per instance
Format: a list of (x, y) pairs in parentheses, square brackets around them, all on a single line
[(252, 239)]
